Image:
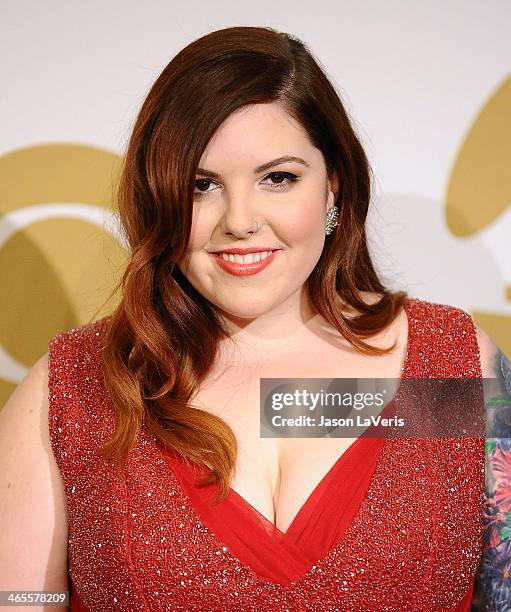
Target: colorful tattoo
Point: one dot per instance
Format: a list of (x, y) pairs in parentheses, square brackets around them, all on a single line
[(493, 581)]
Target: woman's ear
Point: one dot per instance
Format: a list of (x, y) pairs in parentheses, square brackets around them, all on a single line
[(332, 189)]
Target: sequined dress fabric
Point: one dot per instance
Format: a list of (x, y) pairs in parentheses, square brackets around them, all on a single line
[(139, 543)]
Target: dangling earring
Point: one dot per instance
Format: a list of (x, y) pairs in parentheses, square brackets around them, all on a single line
[(331, 220)]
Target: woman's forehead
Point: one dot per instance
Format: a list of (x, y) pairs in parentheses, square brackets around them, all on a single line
[(254, 135)]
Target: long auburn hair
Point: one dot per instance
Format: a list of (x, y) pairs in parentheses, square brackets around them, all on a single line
[(161, 340)]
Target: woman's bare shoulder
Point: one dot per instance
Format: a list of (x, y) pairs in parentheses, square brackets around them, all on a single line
[(492, 356), (33, 511)]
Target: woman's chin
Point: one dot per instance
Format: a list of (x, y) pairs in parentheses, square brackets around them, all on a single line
[(250, 311)]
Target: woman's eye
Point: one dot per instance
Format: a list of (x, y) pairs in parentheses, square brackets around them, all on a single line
[(202, 186), (279, 181), (283, 180)]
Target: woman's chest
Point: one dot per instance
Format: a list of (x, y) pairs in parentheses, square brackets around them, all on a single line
[(274, 475), (417, 521)]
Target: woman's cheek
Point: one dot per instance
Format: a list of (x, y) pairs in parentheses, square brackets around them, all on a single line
[(305, 221), (200, 231)]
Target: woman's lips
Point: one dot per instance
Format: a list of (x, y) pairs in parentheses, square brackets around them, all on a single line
[(240, 269)]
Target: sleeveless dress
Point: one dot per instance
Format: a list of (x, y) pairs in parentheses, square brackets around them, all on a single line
[(395, 524)]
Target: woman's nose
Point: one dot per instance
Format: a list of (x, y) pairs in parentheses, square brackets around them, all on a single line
[(242, 232), (239, 221)]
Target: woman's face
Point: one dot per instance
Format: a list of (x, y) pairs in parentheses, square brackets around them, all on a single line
[(233, 193)]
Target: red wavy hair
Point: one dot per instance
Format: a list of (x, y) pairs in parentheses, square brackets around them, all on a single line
[(161, 340)]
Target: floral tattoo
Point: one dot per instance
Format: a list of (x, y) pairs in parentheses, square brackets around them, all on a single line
[(493, 580)]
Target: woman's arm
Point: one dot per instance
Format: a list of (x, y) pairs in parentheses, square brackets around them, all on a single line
[(33, 511), (493, 580)]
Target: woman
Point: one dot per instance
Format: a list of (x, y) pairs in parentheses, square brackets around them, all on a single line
[(241, 146)]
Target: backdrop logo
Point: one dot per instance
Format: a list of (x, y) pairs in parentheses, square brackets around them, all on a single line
[(61, 252), (479, 194), (60, 248)]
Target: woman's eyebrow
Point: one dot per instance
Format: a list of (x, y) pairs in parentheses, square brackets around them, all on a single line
[(262, 168)]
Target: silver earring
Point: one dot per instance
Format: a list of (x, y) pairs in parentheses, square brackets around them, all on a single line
[(331, 220)]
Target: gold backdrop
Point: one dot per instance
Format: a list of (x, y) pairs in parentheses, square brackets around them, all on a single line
[(60, 254)]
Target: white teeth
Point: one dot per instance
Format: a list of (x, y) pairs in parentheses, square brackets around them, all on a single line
[(246, 259)]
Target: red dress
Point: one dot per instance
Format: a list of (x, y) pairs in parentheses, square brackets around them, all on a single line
[(395, 524)]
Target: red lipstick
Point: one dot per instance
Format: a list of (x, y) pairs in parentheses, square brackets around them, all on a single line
[(242, 269)]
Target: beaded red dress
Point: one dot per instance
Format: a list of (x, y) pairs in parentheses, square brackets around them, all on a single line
[(396, 523)]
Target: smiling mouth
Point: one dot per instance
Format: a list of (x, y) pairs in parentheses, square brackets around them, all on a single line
[(245, 265), (249, 258)]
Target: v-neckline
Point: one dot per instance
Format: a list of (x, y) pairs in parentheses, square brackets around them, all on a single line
[(270, 524), (305, 506)]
